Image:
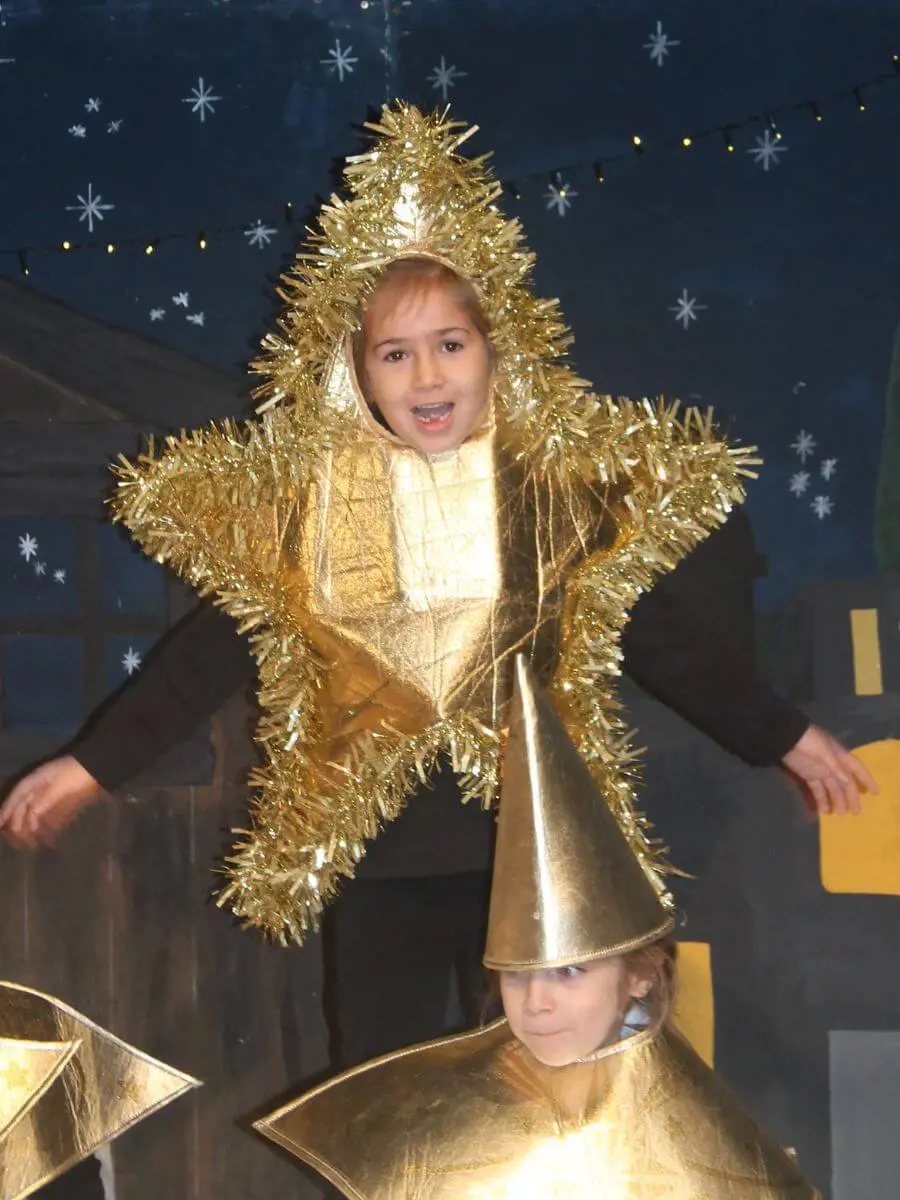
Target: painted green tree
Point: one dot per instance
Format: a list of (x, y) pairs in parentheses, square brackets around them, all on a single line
[(887, 501)]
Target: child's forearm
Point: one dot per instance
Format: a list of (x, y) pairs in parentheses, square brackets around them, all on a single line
[(183, 681)]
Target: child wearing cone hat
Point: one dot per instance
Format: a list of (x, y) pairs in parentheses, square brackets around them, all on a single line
[(584, 1089)]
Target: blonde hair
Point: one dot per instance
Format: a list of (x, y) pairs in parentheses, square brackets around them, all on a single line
[(416, 275)]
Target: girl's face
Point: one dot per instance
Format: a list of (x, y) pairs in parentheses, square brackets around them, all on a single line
[(566, 1013), (427, 368)]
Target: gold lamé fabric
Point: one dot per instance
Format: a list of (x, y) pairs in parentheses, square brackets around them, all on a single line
[(66, 1088), (567, 886), (476, 1117), (417, 580)]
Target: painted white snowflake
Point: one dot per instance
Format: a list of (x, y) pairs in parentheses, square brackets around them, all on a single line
[(259, 234), (59, 575), (444, 77), (822, 507), (686, 309), (197, 318), (28, 546), (157, 314), (559, 197), (77, 131), (767, 149), (114, 126), (660, 44), (339, 60), (93, 104), (91, 208), (805, 445), (182, 299), (201, 99), (40, 568), (828, 468), (131, 661), (799, 482)]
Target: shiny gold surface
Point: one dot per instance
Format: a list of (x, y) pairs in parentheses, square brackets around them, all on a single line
[(26, 1071), (566, 885), (475, 1117), (84, 1087), (386, 591)]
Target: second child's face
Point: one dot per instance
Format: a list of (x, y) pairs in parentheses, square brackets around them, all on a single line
[(427, 368), (564, 1014)]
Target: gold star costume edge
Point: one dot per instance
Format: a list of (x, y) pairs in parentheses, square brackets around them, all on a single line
[(67, 1087)]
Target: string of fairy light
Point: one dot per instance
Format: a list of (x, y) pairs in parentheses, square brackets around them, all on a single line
[(726, 133)]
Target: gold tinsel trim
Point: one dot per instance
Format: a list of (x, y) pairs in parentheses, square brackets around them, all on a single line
[(214, 505)]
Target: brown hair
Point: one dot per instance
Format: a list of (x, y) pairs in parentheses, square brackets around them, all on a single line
[(656, 963), (416, 275)]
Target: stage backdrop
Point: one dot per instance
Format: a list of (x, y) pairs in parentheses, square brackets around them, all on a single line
[(742, 253)]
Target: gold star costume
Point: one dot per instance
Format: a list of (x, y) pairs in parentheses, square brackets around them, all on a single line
[(386, 591), (67, 1087), (477, 1117)]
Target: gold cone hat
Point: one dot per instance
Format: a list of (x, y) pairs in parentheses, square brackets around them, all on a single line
[(67, 1087), (567, 886)]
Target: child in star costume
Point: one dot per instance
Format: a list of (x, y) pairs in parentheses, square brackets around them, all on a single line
[(390, 570), (585, 1089)]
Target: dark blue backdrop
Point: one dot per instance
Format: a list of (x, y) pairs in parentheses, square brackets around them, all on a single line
[(795, 266)]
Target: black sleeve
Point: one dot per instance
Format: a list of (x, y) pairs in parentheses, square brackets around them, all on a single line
[(186, 677), (691, 644)]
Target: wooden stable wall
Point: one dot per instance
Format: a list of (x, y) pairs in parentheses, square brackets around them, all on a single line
[(116, 921)]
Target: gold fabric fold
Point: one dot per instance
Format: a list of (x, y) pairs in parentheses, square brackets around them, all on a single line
[(475, 1117), (67, 1087)]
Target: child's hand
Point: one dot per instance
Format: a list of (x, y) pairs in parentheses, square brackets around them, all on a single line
[(830, 775), (46, 801)]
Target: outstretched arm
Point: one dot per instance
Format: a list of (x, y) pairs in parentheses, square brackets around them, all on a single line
[(689, 644), (186, 678)]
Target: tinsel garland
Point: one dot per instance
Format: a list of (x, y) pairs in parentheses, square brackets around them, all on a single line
[(215, 505)]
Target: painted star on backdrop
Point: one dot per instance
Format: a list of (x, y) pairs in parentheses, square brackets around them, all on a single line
[(77, 131), (822, 506), (339, 60), (114, 126), (197, 318), (767, 149), (201, 99), (804, 446), (828, 468), (91, 208), (59, 576), (259, 234), (157, 314), (559, 197), (444, 77), (660, 44), (182, 299), (40, 568), (131, 661), (28, 546), (799, 482), (686, 309), (93, 104)]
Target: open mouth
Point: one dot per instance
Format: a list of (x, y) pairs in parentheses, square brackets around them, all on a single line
[(433, 416)]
